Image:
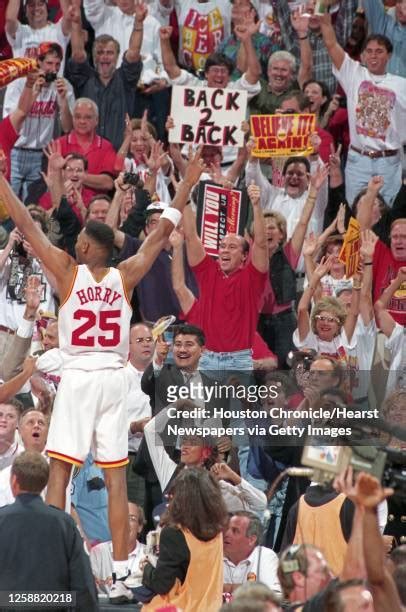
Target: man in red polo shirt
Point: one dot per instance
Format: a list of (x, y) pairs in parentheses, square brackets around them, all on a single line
[(83, 139), (230, 291), (386, 264)]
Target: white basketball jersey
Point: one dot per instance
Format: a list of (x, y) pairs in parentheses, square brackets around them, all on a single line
[(94, 322)]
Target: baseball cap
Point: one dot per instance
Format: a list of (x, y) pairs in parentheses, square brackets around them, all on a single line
[(156, 207)]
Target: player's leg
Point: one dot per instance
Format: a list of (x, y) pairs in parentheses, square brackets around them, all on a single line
[(115, 479), (111, 454), (59, 476)]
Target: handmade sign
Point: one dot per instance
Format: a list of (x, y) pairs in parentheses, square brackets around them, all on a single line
[(282, 135), (349, 254), (208, 116), (220, 211)]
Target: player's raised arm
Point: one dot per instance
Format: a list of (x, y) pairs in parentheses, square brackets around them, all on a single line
[(136, 267), (57, 261)]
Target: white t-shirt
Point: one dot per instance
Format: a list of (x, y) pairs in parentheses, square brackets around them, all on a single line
[(260, 566), (12, 310), (6, 495), (331, 286), (101, 560), (38, 128), (111, 20), (396, 344), (162, 181), (27, 40), (376, 106), (277, 200), (338, 348), (360, 358)]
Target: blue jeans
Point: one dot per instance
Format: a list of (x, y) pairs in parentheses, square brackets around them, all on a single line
[(360, 168), (219, 366), (26, 168)]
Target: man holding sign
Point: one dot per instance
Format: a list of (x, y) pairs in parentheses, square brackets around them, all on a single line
[(230, 291), (217, 72), (208, 116)]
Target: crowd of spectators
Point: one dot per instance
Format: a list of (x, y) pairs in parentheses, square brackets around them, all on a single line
[(215, 522)]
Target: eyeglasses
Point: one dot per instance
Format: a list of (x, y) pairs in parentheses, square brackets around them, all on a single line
[(324, 319), (148, 339), (218, 70)]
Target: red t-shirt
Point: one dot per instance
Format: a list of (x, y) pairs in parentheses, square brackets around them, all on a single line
[(101, 156), (228, 305), (8, 137), (260, 349), (385, 269)]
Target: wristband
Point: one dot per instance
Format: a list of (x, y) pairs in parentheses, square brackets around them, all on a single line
[(173, 215), (26, 328)]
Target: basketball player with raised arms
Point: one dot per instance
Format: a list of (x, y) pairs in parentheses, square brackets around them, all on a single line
[(94, 324)]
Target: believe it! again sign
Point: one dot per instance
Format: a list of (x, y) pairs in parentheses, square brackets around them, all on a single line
[(208, 116)]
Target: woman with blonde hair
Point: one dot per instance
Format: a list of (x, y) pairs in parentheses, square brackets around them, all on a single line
[(329, 329)]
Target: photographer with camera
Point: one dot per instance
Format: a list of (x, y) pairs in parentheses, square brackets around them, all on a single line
[(17, 264), (53, 101)]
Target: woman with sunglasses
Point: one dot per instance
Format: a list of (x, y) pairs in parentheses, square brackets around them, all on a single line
[(329, 329)]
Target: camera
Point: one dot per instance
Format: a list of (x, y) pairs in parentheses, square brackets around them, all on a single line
[(50, 77), (387, 464), (20, 250), (132, 178)]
